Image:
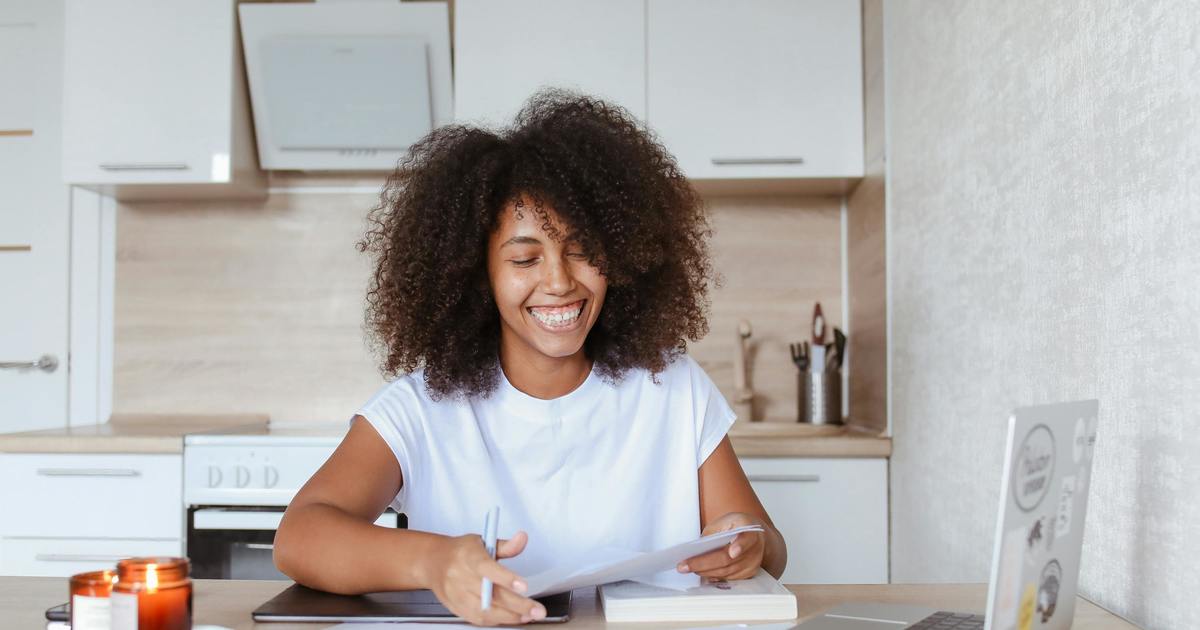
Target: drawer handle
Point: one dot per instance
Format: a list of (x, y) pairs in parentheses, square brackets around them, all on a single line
[(260, 546), (89, 472), (144, 166), (806, 478), (750, 161), (76, 557)]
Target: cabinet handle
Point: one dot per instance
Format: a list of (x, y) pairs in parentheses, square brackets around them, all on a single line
[(144, 166), (76, 557), (732, 161), (45, 363), (89, 472), (806, 478)]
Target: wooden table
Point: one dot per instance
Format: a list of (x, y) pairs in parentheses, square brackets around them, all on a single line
[(23, 601)]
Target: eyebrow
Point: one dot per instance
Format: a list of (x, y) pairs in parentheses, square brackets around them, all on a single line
[(521, 240)]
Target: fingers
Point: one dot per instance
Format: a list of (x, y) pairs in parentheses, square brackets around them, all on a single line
[(512, 546), (506, 607), (743, 549)]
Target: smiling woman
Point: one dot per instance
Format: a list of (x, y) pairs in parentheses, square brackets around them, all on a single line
[(574, 177), (533, 293)]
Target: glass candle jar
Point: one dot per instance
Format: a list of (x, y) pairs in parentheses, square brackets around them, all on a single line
[(89, 599), (152, 594)]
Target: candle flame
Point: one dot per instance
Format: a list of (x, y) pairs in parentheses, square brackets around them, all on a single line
[(151, 577)]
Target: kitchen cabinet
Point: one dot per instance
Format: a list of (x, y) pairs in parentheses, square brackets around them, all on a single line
[(757, 89), (832, 514), (155, 101), (748, 95), (67, 513), (506, 49)]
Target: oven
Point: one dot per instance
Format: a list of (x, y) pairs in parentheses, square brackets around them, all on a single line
[(236, 488), (237, 542)]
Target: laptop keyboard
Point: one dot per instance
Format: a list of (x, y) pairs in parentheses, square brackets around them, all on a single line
[(949, 621)]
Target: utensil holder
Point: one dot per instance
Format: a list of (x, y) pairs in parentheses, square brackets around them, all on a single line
[(819, 397)]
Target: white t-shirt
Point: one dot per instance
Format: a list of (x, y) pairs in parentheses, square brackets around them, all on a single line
[(607, 465)]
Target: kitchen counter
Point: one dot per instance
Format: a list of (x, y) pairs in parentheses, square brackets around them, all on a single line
[(794, 439), (165, 434), (128, 434), (228, 603)]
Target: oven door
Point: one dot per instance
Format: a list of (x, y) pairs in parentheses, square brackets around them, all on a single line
[(236, 543)]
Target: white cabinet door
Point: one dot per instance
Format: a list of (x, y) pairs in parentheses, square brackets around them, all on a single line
[(34, 218), (832, 514), (92, 496), (506, 49), (63, 557), (154, 94), (757, 88)]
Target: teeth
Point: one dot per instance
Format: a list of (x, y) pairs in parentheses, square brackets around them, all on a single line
[(557, 318)]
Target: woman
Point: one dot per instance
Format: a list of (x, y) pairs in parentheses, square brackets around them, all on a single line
[(534, 290)]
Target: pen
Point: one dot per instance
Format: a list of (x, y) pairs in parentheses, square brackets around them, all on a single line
[(491, 522)]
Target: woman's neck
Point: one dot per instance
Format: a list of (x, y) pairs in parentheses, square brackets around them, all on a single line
[(544, 377)]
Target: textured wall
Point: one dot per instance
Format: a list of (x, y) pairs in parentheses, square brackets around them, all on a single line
[(1044, 244)]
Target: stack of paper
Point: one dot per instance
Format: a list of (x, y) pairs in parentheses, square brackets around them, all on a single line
[(760, 597)]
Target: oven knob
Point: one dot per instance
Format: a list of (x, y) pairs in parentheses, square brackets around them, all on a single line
[(243, 476), (270, 476), (214, 476)]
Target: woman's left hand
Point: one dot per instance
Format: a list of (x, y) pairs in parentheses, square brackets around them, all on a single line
[(738, 560)]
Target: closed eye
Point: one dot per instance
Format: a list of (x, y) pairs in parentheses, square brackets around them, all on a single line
[(524, 263)]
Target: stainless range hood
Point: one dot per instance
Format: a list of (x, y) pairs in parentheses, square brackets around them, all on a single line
[(345, 85)]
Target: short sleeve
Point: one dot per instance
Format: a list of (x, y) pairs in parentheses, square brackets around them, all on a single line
[(394, 414), (713, 415)]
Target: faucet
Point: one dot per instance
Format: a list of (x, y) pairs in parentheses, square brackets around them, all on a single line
[(743, 395)]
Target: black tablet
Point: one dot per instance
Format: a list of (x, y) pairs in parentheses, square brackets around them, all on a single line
[(299, 603)]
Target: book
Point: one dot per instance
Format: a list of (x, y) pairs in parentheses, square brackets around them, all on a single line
[(760, 597)]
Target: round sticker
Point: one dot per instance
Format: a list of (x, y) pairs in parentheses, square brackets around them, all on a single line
[(1047, 596), (1034, 468)]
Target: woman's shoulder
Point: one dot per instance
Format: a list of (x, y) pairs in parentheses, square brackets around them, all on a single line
[(681, 371), (405, 395)]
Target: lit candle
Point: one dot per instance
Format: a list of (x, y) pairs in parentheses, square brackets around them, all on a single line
[(152, 594)]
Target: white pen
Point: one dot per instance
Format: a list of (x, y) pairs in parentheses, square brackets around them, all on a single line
[(491, 523)]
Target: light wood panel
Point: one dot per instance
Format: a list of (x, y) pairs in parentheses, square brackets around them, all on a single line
[(257, 307), (866, 261)]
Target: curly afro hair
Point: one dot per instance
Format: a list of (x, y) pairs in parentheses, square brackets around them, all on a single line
[(635, 216)]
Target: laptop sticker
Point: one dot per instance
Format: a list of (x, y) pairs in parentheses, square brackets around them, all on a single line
[(1025, 622), (1035, 533), (1034, 468), (1047, 597), (1066, 507), (1008, 580)]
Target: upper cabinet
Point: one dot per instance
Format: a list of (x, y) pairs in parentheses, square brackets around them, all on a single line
[(507, 49), (748, 95), (757, 89), (155, 101)]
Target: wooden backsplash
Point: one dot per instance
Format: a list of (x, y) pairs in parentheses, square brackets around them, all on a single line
[(257, 307)]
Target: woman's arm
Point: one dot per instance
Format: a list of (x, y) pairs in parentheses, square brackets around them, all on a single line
[(727, 500), (327, 539)]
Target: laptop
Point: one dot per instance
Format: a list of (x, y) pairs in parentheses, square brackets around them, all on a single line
[(299, 603), (1039, 533)]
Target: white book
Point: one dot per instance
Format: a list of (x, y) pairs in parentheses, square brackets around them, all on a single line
[(760, 597)]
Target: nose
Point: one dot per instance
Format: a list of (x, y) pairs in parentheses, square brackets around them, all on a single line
[(558, 279)]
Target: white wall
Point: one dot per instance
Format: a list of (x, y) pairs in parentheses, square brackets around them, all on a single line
[(1044, 244)]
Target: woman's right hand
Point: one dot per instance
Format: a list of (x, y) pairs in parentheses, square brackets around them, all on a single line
[(457, 572)]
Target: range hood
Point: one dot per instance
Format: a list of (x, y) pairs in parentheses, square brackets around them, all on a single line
[(341, 86)]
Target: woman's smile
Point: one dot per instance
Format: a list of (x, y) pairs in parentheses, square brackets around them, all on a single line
[(559, 319)]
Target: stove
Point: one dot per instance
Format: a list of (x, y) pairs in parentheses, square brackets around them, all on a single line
[(236, 487)]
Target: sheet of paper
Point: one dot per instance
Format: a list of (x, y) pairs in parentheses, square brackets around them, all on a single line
[(382, 625), (627, 565)]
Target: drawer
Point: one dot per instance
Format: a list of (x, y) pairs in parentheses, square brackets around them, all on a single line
[(64, 557), (832, 514), (81, 496)]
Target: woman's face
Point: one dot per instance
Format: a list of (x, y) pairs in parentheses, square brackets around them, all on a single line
[(548, 296)]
